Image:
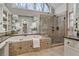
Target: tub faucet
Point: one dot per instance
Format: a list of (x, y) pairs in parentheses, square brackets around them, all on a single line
[(20, 39)]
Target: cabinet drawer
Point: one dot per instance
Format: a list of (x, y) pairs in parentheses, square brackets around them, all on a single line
[(71, 47), (68, 51), (76, 44), (69, 42)]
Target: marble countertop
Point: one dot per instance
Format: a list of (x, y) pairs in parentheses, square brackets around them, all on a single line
[(21, 38), (3, 38), (72, 37)]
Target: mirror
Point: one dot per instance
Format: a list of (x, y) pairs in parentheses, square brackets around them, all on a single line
[(25, 24)]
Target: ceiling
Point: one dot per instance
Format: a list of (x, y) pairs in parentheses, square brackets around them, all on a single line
[(56, 5)]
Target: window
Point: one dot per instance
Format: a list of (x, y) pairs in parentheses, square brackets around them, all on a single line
[(20, 5), (46, 8), (71, 19), (71, 23), (39, 7), (33, 6), (30, 6)]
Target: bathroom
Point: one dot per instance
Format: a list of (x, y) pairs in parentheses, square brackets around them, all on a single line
[(20, 26), (31, 29)]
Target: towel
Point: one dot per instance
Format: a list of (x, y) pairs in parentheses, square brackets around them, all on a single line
[(36, 42)]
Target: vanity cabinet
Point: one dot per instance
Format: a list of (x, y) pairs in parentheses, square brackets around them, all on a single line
[(71, 47)]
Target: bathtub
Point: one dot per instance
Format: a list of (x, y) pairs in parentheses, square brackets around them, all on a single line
[(17, 45), (24, 44), (23, 38)]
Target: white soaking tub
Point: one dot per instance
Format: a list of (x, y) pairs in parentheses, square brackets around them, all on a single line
[(22, 38), (17, 45)]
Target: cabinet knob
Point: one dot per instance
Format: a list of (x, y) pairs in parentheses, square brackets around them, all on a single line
[(68, 42)]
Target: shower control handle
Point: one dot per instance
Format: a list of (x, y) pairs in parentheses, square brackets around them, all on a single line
[(20, 47)]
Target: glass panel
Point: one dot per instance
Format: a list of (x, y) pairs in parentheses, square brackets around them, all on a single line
[(30, 6), (46, 9), (71, 16), (42, 6), (77, 10), (38, 7), (71, 23), (33, 6), (20, 5), (71, 19), (23, 5)]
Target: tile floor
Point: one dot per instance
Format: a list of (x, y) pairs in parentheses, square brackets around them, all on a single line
[(54, 51)]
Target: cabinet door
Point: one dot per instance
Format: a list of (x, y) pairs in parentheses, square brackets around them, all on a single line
[(70, 51), (70, 47)]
